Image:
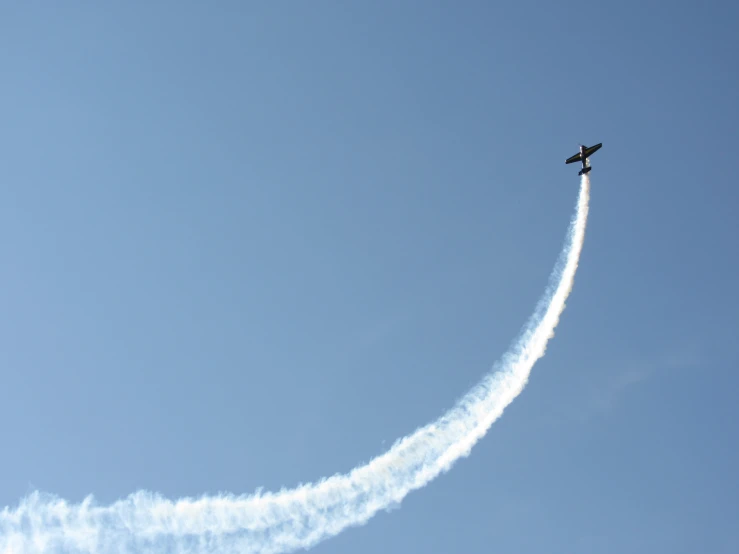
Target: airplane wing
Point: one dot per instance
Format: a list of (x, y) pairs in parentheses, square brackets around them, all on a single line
[(573, 159), (590, 151)]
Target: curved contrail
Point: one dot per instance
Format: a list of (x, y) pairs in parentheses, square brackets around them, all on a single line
[(301, 517)]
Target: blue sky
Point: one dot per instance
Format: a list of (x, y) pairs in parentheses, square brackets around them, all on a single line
[(251, 245)]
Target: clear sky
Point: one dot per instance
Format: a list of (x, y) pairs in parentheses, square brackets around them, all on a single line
[(251, 244)]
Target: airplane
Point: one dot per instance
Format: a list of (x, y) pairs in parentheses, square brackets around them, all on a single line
[(583, 155)]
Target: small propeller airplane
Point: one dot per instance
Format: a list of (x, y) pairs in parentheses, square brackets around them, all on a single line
[(583, 155)]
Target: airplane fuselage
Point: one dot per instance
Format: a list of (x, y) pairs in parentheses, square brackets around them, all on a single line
[(584, 160)]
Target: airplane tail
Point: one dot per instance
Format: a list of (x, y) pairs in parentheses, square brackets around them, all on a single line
[(585, 170)]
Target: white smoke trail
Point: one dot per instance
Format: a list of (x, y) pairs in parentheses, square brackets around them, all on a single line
[(301, 517)]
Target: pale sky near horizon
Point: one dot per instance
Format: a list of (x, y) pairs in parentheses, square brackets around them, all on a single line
[(252, 244)]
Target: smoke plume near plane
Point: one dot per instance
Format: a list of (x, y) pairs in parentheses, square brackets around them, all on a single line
[(301, 517)]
